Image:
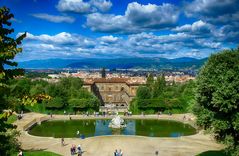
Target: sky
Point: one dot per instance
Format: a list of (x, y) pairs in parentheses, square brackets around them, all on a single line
[(76, 29)]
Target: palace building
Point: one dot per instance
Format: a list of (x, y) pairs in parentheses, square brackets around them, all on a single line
[(114, 93)]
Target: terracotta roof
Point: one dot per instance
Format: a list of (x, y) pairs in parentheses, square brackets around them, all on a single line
[(110, 80)]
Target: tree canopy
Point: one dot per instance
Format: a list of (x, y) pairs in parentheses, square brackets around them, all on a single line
[(217, 98), (157, 95), (9, 47)]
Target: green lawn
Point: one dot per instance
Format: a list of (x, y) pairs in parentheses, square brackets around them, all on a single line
[(12, 118), (213, 153), (38, 153)]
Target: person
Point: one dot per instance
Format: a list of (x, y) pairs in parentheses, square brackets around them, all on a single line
[(184, 117), (51, 114), (156, 152), (78, 133), (20, 153), (74, 148), (72, 152), (79, 150), (19, 116), (62, 142), (120, 153), (116, 153), (64, 112)]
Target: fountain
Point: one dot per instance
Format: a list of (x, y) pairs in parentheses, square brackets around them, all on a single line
[(117, 123)]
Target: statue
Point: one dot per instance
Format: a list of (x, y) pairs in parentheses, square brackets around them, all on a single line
[(117, 122)]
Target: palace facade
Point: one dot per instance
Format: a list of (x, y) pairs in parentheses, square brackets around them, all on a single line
[(114, 93)]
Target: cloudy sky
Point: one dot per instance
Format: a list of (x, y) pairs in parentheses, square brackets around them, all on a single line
[(75, 29)]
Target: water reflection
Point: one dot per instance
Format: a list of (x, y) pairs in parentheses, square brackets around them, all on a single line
[(88, 128)]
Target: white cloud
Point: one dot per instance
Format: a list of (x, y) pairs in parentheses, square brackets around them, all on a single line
[(80, 6), (61, 38), (200, 28), (109, 38), (54, 18), (137, 18), (69, 45), (102, 5), (213, 11)]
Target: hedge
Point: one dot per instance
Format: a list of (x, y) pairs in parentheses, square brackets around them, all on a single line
[(159, 103)]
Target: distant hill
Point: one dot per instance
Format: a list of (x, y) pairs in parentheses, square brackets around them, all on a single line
[(123, 63)]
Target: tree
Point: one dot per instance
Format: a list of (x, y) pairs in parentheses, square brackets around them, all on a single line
[(217, 98), (55, 103), (103, 73), (8, 50), (143, 92), (92, 103), (159, 86)]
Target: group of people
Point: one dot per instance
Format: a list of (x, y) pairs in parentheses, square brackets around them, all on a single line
[(118, 153), (75, 150)]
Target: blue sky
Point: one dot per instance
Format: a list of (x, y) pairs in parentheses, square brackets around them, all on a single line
[(74, 29)]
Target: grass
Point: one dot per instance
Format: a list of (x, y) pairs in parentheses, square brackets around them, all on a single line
[(11, 119), (214, 153), (38, 153)]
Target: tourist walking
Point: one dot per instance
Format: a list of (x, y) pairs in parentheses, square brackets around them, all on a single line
[(120, 153), (79, 150), (73, 150), (62, 142), (116, 153)]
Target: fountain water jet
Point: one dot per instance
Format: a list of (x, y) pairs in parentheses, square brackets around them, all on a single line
[(117, 123)]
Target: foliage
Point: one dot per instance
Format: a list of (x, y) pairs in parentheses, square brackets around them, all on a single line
[(8, 49), (217, 98), (150, 81), (214, 153), (143, 92), (159, 86), (159, 103), (134, 106), (163, 97), (84, 103), (50, 97), (11, 119), (55, 103), (36, 75)]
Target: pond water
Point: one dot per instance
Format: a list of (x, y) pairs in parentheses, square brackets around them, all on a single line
[(89, 128)]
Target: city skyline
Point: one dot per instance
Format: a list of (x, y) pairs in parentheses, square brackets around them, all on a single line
[(74, 29)]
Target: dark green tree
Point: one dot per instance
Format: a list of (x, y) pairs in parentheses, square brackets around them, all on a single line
[(103, 73), (217, 98), (159, 86), (8, 50), (143, 92), (55, 103), (150, 82)]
